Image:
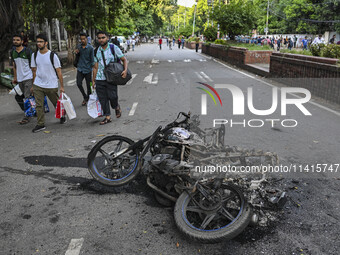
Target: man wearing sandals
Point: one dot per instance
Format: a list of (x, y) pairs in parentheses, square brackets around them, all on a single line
[(21, 57), (107, 93)]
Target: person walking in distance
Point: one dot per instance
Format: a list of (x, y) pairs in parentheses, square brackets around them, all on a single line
[(107, 93), (46, 72), (21, 57), (179, 42), (160, 43), (183, 40), (84, 67), (197, 40)]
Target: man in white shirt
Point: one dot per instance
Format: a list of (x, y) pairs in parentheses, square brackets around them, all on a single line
[(318, 40), (21, 57), (45, 79)]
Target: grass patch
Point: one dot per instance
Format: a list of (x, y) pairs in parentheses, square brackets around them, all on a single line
[(299, 52), (243, 45)]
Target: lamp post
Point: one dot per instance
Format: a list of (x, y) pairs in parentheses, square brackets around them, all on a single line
[(267, 19), (193, 24)]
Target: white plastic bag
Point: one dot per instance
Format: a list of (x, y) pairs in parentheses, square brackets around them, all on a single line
[(16, 91), (68, 106), (94, 109)]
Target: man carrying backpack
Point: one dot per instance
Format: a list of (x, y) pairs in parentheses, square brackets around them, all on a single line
[(84, 66), (46, 72), (21, 57), (107, 93)]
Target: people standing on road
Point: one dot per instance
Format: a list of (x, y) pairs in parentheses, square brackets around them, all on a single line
[(179, 42), (133, 43), (24, 39), (279, 40), (305, 43), (84, 66), (160, 43), (290, 44), (183, 40), (173, 41), (332, 40), (46, 72), (128, 42), (21, 58), (318, 40), (107, 93), (170, 48), (197, 40), (167, 41), (116, 41)]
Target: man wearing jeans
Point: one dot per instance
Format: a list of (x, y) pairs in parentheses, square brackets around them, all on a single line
[(45, 79), (107, 93), (84, 66)]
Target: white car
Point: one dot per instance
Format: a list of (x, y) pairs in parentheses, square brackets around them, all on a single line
[(122, 42)]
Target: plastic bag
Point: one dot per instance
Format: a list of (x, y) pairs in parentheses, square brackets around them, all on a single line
[(68, 106), (94, 108), (46, 108), (29, 106), (59, 110), (16, 91)]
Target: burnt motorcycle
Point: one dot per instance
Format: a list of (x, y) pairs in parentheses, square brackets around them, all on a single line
[(209, 207)]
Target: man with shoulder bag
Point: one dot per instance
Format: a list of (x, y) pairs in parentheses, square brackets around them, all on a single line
[(107, 92)]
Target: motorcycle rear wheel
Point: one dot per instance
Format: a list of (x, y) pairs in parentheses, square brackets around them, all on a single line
[(215, 225), (110, 170)]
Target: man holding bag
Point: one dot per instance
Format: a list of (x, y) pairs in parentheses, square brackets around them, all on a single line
[(21, 57), (46, 72), (107, 92)]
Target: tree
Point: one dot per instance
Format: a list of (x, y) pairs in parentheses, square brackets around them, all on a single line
[(11, 22), (235, 18)]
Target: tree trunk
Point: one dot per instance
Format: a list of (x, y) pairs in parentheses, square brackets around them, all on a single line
[(71, 45)]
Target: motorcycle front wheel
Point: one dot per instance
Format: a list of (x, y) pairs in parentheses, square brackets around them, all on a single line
[(222, 220), (107, 168)]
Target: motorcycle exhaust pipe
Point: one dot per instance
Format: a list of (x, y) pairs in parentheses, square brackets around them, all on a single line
[(161, 192)]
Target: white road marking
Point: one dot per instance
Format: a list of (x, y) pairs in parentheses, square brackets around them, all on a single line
[(71, 83), (171, 61), (75, 246), (150, 66), (155, 79), (154, 61), (311, 102), (130, 81), (140, 62), (187, 60), (69, 71), (133, 109), (175, 78), (148, 78), (200, 77), (66, 76), (206, 76), (202, 60)]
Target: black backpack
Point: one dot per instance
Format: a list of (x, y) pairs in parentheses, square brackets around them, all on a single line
[(51, 59)]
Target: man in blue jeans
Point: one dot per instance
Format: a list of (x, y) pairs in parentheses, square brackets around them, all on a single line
[(107, 93), (84, 66)]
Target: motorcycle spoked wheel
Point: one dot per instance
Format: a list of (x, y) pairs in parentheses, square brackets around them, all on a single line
[(219, 221), (113, 172)]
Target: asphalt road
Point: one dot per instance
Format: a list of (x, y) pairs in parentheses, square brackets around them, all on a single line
[(51, 205)]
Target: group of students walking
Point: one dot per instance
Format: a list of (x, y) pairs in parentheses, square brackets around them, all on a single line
[(39, 74)]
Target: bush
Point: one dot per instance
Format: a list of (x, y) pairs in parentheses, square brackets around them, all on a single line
[(316, 49), (220, 41), (331, 51), (210, 33)]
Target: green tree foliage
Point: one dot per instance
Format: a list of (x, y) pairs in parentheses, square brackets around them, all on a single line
[(236, 17)]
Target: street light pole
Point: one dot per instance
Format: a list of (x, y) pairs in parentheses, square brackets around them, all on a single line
[(267, 19), (193, 24)]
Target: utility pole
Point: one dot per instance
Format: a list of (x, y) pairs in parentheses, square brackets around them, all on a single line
[(267, 19), (193, 24), (185, 15), (178, 21)]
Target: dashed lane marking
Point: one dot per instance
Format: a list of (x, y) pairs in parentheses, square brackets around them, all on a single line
[(133, 109), (75, 246), (200, 77), (130, 81), (175, 78), (206, 76), (71, 83)]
